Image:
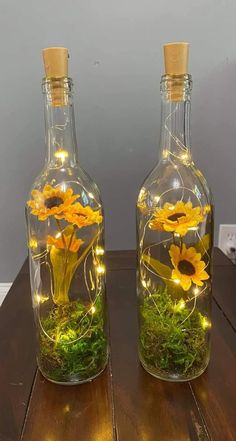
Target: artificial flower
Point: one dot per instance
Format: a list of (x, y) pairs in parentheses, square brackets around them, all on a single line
[(188, 266), (178, 218), (81, 216), (52, 201), (66, 240)]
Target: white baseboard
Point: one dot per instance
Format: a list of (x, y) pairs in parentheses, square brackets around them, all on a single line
[(4, 288)]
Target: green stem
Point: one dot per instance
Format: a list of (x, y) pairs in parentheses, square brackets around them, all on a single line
[(67, 253), (86, 250)]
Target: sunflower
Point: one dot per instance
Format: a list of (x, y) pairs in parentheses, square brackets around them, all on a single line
[(51, 201), (178, 218), (81, 216), (67, 240), (188, 266)]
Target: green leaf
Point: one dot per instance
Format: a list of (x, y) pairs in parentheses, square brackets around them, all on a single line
[(203, 245), (164, 271), (161, 269)]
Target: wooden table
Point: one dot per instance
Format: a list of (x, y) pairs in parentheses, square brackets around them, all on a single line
[(124, 403)]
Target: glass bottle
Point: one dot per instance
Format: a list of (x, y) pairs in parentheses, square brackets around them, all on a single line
[(175, 236), (65, 239)]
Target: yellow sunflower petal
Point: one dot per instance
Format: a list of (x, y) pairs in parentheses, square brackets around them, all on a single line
[(185, 282), (179, 217), (188, 266)]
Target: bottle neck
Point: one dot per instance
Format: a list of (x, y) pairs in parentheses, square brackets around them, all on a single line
[(59, 123), (175, 119)]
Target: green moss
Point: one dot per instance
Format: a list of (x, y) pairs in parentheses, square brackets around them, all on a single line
[(73, 346), (172, 342)]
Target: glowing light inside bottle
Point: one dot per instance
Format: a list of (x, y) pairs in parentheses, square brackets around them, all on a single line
[(177, 281), (99, 251), (61, 154), (205, 323), (144, 284), (93, 309), (100, 269), (157, 198), (33, 243)]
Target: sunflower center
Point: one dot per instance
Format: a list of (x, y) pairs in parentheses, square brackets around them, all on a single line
[(174, 217), (186, 267), (52, 202), (80, 215)]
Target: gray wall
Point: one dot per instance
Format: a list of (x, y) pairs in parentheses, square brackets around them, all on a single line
[(116, 63)]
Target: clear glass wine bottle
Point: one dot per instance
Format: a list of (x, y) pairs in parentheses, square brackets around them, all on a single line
[(66, 249), (175, 236)]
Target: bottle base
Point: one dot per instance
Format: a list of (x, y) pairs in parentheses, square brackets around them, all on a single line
[(75, 382), (173, 378)]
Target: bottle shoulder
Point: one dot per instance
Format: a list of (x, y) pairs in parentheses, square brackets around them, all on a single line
[(68, 177), (171, 181)]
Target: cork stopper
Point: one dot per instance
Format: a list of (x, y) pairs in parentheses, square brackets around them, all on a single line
[(176, 58), (56, 62), (56, 71)]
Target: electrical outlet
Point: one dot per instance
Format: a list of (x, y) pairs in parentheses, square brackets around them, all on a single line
[(227, 240)]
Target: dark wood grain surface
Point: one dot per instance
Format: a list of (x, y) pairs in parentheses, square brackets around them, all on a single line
[(124, 403)]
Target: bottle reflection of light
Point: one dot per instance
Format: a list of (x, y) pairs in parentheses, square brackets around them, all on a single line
[(99, 251), (176, 183), (66, 408), (91, 195)]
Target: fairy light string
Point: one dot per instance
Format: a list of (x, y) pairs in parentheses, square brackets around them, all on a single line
[(183, 159)]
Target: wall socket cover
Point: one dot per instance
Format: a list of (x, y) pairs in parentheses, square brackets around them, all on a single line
[(227, 237)]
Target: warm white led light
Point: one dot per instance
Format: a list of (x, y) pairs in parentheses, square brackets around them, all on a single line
[(33, 243), (165, 153), (156, 199), (180, 305), (92, 309), (41, 298), (99, 251), (177, 281), (100, 269), (184, 156), (193, 228), (205, 323), (61, 154), (144, 284)]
